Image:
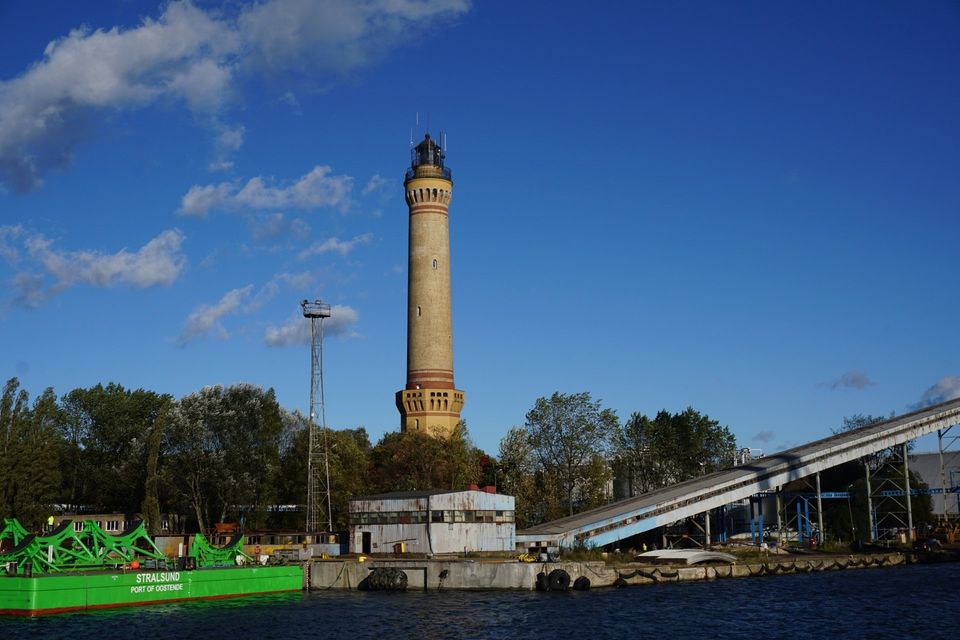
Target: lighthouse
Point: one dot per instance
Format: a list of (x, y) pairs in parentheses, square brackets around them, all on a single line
[(430, 402)]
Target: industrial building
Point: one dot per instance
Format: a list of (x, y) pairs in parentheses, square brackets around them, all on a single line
[(433, 522)]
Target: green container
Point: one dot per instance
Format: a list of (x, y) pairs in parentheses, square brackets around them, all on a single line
[(60, 593)]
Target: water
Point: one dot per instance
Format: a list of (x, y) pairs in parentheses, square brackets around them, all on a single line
[(902, 603)]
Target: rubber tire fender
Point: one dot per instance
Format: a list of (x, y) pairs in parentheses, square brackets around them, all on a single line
[(543, 584), (559, 580), (582, 583)]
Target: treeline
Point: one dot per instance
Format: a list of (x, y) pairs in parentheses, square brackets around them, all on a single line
[(233, 454), (570, 451), (219, 454)]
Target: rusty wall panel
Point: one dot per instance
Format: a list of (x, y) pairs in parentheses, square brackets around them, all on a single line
[(446, 537), (377, 506), (454, 537), (384, 536), (472, 500)]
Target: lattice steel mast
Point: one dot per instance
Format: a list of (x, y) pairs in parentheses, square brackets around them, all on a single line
[(318, 466)]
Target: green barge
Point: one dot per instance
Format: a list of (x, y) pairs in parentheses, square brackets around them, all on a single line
[(80, 567), (53, 593)]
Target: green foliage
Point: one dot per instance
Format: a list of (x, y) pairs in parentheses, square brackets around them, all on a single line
[(29, 454), (560, 462), (569, 437), (671, 448), (516, 471), (349, 459), (224, 450), (151, 500), (106, 429), (410, 460)]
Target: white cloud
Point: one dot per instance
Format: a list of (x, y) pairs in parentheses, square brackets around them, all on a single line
[(206, 318), (274, 225), (290, 99), (185, 54), (947, 388), (159, 262), (200, 200), (375, 184), (854, 379), (296, 330), (229, 140), (193, 56), (268, 291), (30, 289), (220, 166), (336, 35), (318, 188), (335, 245), (7, 251)]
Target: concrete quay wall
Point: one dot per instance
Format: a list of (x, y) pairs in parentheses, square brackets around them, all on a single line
[(481, 575)]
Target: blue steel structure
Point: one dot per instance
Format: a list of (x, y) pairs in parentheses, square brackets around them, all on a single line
[(609, 524)]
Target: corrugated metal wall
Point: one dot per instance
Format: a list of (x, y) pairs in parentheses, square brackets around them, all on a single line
[(389, 522)]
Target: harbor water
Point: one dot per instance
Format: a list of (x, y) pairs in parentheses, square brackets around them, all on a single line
[(902, 602)]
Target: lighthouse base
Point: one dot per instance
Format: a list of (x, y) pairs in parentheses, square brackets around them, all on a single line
[(435, 412)]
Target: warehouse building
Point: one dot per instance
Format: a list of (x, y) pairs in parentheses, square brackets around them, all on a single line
[(433, 522)]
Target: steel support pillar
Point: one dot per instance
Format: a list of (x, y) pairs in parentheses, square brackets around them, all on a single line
[(871, 524), (760, 517), (779, 521), (799, 523), (906, 482), (943, 478), (819, 512), (706, 528)]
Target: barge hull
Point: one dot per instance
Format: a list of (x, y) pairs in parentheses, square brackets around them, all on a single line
[(63, 593)]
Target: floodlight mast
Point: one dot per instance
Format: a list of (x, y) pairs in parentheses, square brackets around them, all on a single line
[(318, 477)]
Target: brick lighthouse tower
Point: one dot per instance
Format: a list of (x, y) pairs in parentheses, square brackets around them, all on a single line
[(430, 402)]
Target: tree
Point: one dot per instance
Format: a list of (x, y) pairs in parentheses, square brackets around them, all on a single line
[(224, 448), (516, 468), (29, 455), (151, 501), (349, 461), (641, 468), (671, 448), (569, 435), (107, 429), (412, 460)]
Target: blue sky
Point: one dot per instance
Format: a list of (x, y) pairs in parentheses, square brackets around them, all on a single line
[(749, 208)]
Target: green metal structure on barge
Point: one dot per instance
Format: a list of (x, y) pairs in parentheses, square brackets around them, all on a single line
[(82, 568)]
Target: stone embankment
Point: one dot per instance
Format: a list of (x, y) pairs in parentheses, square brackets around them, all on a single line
[(488, 574)]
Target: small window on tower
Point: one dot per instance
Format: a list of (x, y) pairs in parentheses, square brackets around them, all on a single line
[(434, 263), (418, 311)]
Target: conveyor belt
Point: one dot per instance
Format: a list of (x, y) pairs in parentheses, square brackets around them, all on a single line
[(624, 518)]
